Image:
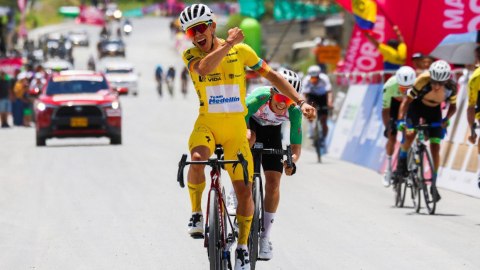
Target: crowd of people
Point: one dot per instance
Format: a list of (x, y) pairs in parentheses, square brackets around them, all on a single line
[(15, 94)]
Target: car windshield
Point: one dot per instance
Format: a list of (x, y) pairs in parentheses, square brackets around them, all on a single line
[(76, 84), (123, 70)]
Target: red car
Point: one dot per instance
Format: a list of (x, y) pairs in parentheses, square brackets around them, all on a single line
[(78, 104)]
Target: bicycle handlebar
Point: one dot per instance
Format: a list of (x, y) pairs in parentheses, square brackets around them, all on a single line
[(287, 152), (211, 162)]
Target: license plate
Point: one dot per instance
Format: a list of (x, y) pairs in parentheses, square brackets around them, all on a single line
[(112, 53), (79, 122)]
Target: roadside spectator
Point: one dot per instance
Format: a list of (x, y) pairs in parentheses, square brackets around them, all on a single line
[(417, 59), (20, 104), (394, 52), (5, 98), (428, 61)]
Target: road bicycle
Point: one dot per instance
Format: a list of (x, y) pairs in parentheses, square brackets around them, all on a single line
[(318, 139), (257, 192), (421, 174), (169, 82), (217, 240)]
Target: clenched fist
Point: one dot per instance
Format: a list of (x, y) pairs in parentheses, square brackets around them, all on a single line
[(235, 36)]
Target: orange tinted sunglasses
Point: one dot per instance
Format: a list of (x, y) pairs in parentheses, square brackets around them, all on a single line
[(403, 88), (281, 98), (202, 27)]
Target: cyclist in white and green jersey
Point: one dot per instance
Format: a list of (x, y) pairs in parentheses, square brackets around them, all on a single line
[(267, 110), (394, 91)]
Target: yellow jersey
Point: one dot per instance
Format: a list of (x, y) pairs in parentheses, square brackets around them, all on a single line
[(223, 91), (393, 58), (473, 88)]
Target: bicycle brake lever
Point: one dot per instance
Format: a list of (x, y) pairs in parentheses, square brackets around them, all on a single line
[(289, 156), (244, 164), (181, 166)]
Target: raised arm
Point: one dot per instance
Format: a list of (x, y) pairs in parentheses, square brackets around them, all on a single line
[(208, 64)]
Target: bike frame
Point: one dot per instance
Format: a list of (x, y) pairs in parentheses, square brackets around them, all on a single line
[(215, 174)]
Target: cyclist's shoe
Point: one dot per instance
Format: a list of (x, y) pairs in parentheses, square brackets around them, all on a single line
[(438, 194), (232, 204), (387, 177), (195, 226), (242, 260), (266, 249)]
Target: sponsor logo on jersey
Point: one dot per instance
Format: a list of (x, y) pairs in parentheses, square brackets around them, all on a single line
[(234, 53), (201, 78), (231, 76), (232, 61), (214, 79), (221, 99), (187, 52), (189, 57)]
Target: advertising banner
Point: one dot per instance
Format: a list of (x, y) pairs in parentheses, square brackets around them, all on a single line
[(355, 151), (346, 119), (458, 157)]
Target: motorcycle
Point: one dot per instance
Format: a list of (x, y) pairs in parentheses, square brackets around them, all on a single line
[(127, 29)]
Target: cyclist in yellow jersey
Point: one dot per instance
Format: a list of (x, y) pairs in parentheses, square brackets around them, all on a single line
[(473, 111), (217, 68)]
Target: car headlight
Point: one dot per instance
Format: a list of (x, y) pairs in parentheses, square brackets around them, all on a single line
[(41, 106), (115, 105), (117, 14)]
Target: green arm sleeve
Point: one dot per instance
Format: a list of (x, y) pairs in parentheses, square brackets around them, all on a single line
[(255, 100), (295, 115)]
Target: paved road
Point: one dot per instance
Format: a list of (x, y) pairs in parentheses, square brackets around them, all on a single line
[(83, 204)]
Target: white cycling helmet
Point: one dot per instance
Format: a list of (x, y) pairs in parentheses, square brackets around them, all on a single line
[(194, 14), (314, 71), (406, 76), (291, 77), (440, 71)]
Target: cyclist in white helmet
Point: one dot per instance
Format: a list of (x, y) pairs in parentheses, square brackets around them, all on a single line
[(423, 101), (394, 91), (317, 91), (217, 69), (267, 110)]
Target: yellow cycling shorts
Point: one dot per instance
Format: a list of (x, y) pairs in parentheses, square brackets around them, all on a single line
[(231, 133)]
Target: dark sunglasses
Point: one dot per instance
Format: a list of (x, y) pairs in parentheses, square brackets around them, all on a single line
[(202, 27), (433, 82)]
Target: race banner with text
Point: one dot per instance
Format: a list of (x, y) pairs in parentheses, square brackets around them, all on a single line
[(445, 16), (361, 55)]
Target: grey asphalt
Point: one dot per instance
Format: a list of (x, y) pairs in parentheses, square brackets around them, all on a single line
[(84, 204)]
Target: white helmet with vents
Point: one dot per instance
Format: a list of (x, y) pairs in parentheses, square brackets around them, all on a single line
[(406, 76), (440, 71), (291, 77), (314, 71), (195, 14)]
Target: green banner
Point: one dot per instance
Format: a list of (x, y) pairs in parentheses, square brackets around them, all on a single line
[(287, 10), (252, 8)]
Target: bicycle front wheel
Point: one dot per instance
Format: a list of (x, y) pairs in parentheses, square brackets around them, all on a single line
[(255, 228), (214, 237), (428, 183)]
